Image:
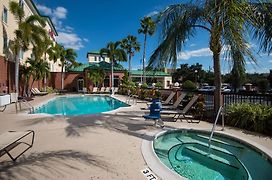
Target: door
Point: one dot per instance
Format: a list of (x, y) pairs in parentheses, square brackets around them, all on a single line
[(80, 85)]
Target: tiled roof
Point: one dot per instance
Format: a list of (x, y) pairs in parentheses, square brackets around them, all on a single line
[(149, 73), (103, 65)]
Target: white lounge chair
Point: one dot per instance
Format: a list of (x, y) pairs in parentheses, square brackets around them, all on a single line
[(102, 90), (115, 89), (36, 91), (11, 139), (107, 90), (95, 90), (178, 113)]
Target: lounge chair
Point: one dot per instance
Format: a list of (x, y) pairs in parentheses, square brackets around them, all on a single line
[(178, 113), (107, 90), (115, 89), (11, 139), (169, 98), (36, 91), (102, 90), (95, 90), (177, 102)]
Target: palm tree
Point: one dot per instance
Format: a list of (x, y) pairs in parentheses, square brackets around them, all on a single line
[(30, 30), (25, 74), (226, 22), (114, 53), (67, 57), (97, 76), (130, 45), (148, 27), (39, 69)]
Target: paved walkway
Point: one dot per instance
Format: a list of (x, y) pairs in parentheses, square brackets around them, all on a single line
[(105, 146)]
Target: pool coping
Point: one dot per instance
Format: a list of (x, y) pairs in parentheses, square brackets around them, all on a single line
[(71, 95), (162, 171)]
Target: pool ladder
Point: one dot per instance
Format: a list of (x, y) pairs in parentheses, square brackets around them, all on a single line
[(26, 103), (220, 112), (131, 99)]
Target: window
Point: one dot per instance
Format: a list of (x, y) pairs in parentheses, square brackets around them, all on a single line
[(21, 3), (5, 15), (5, 43), (94, 58)]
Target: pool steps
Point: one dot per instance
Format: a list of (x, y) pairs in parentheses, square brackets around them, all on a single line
[(199, 152)]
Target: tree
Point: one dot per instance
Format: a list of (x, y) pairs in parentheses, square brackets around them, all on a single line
[(226, 22), (67, 58), (148, 27), (114, 53), (30, 31), (97, 76), (25, 74), (130, 45), (39, 70)]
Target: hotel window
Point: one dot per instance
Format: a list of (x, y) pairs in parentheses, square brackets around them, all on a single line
[(5, 15), (5, 43), (21, 3)]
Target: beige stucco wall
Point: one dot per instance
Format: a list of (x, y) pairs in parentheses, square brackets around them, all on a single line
[(11, 26), (95, 58), (168, 78)]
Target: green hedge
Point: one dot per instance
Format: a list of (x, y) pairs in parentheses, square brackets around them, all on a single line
[(252, 117)]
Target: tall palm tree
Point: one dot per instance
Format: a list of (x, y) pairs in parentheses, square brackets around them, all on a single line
[(226, 22), (30, 30), (25, 74), (148, 27), (39, 69), (130, 45), (67, 57), (114, 53), (97, 76)]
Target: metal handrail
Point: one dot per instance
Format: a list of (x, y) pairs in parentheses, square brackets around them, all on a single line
[(31, 108), (220, 111)]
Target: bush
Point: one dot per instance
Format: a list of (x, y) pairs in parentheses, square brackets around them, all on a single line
[(189, 85), (158, 85), (50, 89), (252, 117), (144, 86)]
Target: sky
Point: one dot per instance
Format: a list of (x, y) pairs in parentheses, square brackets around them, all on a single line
[(88, 25)]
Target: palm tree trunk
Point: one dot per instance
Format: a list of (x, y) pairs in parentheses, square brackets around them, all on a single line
[(217, 81), (112, 79), (144, 79), (17, 61), (129, 67), (62, 76)]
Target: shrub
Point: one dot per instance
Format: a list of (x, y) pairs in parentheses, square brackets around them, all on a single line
[(50, 89), (144, 86), (158, 85), (252, 117), (188, 85)]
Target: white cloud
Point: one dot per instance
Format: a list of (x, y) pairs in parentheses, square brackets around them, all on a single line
[(270, 61), (60, 12), (66, 35), (203, 52), (153, 13), (45, 10), (70, 40), (192, 45)]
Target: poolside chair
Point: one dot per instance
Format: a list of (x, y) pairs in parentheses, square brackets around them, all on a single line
[(154, 114), (37, 92), (102, 90), (95, 90), (178, 113), (169, 98), (177, 102), (12, 139), (115, 89), (107, 90)]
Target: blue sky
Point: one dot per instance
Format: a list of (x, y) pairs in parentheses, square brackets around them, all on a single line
[(90, 25)]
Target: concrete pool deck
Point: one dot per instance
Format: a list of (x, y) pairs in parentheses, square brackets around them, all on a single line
[(105, 146)]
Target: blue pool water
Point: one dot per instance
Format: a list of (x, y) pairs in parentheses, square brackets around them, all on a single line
[(79, 105), (187, 153)]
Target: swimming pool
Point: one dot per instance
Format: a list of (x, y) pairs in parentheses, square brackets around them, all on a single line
[(186, 152), (80, 105)]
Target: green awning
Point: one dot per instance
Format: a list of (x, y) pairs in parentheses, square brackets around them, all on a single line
[(149, 73), (101, 65)]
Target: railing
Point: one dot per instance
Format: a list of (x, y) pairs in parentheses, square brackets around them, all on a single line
[(26, 103), (220, 110)]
